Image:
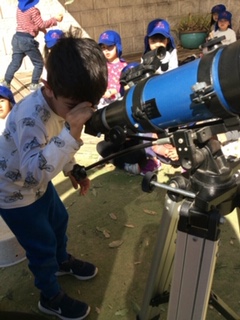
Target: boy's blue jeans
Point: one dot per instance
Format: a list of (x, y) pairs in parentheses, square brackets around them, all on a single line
[(23, 44), (41, 230)]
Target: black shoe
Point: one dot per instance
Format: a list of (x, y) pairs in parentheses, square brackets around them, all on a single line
[(81, 270), (64, 307)]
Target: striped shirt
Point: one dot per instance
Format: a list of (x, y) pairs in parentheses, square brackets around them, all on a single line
[(31, 21)]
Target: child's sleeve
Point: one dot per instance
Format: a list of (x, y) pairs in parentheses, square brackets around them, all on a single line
[(40, 23)]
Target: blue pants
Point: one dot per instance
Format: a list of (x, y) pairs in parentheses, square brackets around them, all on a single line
[(41, 230), (23, 44)]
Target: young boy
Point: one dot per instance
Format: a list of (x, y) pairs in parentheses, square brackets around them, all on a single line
[(159, 35), (41, 136), (6, 103), (29, 23)]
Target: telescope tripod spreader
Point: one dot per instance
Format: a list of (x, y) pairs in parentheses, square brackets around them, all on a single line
[(187, 243)]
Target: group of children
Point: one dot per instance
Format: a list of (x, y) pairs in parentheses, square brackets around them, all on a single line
[(36, 144), (158, 35), (221, 25)]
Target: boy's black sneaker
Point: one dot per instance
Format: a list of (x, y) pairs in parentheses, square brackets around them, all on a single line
[(81, 270), (64, 307)]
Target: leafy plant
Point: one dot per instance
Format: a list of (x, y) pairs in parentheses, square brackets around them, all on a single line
[(194, 22)]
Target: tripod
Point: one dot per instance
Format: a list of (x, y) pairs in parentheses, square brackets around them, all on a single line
[(184, 258)]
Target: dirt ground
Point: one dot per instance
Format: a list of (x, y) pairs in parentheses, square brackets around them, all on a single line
[(117, 212)]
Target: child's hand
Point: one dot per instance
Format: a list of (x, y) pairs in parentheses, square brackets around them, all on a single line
[(84, 184), (172, 154), (59, 17), (109, 93), (77, 117), (162, 150), (210, 36)]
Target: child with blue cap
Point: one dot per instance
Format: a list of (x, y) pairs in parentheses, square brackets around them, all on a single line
[(6, 103), (215, 11), (29, 23), (224, 28), (51, 38), (111, 45), (158, 34)]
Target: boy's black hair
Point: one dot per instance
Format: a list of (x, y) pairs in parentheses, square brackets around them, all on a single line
[(77, 69)]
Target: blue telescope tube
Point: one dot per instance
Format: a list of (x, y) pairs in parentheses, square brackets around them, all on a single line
[(204, 89)]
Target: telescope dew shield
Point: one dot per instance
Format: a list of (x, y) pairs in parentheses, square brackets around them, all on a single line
[(168, 100)]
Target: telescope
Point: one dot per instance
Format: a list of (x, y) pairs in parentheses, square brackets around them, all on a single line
[(190, 104), (202, 90)]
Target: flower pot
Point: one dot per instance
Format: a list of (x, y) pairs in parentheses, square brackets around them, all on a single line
[(192, 40)]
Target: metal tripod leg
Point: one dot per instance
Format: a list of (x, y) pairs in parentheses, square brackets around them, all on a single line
[(160, 274), (238, 215), (194, 265)]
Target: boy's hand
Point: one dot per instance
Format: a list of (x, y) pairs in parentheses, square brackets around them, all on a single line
[(59, 17), (84, 184), (77, 117)]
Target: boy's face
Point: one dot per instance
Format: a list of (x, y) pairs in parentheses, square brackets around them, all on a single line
[(110, 52), (157, 41), (223, 24), (60, 105), (5, 107)]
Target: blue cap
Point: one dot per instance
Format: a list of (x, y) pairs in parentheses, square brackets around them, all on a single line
[(218, 8), (158, 26), (24, 5), (227, 16), (7, 94), (52, 37), (110, 38)]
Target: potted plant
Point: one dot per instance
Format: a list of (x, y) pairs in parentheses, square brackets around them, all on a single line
[(193, 30)]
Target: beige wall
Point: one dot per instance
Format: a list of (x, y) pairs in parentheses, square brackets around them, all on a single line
[(128, 17)]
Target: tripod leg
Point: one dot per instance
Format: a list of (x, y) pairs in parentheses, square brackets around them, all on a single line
[(160, 274), (194, 263), (193, 273), (238, 217)]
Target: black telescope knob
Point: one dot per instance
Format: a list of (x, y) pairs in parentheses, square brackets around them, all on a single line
[(147, 182), (79, 172), (117, 135)]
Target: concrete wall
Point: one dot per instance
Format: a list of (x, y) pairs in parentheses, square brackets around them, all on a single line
[(128, 17)]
